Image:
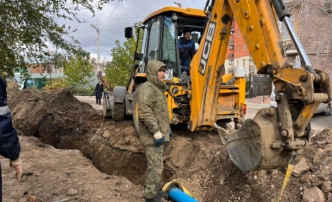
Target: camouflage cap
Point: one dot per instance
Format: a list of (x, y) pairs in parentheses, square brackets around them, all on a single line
[(154, 67), (162, 68)]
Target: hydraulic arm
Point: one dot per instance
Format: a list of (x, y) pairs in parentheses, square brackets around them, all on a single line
[(209, 97), (276, 136)]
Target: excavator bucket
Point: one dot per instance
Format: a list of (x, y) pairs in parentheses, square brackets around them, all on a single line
[(258, 145)]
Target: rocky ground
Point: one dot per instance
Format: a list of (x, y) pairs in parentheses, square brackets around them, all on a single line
[(70, 153)]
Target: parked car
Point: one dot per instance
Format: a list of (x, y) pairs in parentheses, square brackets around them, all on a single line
[(323, 108)]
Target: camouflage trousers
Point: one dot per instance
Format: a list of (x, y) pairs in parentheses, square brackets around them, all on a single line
[(154, 169)]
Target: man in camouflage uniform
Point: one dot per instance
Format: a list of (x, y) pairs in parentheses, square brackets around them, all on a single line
[(154, 126)]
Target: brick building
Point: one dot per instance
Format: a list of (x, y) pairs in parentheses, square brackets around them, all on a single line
[(44, 68), (312, 21)]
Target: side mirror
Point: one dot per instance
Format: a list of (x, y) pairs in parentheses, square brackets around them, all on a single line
[(138, 56), (129, 32)]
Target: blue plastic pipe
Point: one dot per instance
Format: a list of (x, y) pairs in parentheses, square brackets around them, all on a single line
[(179, 196)]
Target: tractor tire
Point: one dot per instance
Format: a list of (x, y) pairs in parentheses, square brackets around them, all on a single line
[(119, 111)]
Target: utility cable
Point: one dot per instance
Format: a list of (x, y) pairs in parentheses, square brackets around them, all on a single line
[(107, 37), (110, 15)]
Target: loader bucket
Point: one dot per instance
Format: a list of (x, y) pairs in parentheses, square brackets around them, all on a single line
[(250, 147)]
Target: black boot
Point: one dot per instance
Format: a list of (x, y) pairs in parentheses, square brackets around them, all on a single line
[(155, 199)]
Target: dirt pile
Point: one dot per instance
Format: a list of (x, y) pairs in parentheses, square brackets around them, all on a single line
[(197, 159)]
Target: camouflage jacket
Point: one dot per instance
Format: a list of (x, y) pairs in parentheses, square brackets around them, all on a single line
[(152, 106)]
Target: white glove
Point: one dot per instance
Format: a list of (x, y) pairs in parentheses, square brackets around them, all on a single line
[(17, 165), (159, 139), (157, 135)]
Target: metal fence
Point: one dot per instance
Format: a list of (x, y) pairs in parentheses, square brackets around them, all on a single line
[(258, 85), (37, 83)]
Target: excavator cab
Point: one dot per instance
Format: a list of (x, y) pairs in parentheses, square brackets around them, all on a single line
[(162, 30)]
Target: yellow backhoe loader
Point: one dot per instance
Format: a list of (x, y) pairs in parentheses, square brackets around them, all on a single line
[(209, 97), (220, 96)]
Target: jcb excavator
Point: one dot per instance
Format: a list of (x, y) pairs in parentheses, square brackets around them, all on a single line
[(209, 98)]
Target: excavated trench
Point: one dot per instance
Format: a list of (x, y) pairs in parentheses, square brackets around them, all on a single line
[(196, 159), (61, 120)]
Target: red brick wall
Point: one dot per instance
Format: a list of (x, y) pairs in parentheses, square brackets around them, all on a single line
[(41, 68), (230, 52), (34, 69), (240, 49)]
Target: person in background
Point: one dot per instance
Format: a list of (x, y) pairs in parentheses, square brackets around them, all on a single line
[(154, 127), (186, 50), (10, 147), (99, 91)]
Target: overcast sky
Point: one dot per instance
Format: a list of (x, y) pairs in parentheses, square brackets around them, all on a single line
[(112, 20)]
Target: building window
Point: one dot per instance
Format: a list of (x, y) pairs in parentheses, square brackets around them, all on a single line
[(244, 62), (238, 33), (237, 63), (238, 48), (244, 47)]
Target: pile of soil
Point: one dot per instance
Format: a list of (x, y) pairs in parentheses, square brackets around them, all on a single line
[(196, 159)]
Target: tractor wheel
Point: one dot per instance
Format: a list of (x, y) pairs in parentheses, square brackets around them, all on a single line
[(119, 111)]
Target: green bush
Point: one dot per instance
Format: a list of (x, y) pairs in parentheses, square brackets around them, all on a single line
[(55, 83), (83, 91)]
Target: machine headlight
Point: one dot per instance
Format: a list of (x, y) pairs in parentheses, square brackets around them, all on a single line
[(175, 120), (175, 90)]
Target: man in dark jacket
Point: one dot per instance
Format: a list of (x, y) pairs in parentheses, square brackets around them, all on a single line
[(154, 126), (9, 143), (99, 91), (186, 50)]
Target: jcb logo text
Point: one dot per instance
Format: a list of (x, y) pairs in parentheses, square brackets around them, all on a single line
[(207, 47)]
